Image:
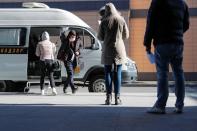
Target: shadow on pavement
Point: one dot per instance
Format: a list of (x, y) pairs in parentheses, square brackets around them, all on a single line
[(43, 117)]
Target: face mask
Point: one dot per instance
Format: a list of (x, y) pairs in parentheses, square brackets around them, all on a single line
[(72, 38), (99, 22)]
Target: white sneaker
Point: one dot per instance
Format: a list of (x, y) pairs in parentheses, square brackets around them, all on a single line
[(42, 92), (48, 90), (54, 92)]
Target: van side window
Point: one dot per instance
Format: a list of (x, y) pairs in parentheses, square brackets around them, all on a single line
[(87, 39), (12, 36)]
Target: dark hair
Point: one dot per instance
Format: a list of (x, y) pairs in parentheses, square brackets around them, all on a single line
[(102, 11), (71, 32), (64, 37)]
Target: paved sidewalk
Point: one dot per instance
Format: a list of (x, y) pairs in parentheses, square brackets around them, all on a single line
[(86, 112)]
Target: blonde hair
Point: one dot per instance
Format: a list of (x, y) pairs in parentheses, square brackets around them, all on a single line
[(111, 13)]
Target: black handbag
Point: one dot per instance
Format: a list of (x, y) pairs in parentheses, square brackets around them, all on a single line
[(56, 65), (61, 55)]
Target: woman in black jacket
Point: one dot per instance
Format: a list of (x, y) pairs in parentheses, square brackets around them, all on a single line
[(68, 53)]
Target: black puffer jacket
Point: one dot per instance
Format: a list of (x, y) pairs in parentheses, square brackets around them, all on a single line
[(66, 52), (166, 22)]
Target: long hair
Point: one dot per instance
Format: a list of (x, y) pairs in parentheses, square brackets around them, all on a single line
[(111, 14)]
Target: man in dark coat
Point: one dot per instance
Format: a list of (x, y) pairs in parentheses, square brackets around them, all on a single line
[(166, 22)]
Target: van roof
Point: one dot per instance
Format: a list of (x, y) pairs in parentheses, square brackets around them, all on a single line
[(38, 16)]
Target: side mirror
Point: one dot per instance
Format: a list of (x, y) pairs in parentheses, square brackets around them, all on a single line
[(95, 46), (92, 40)]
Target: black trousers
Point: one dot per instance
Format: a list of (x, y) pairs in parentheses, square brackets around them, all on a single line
[(46, 69)]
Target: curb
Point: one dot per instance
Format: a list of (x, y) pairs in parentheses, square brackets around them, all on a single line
[(154, 84)]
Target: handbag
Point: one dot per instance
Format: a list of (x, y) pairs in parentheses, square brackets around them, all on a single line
[(76, 66), (61, 55), (56, 65)]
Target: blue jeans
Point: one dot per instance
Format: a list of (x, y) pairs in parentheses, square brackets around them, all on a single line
[(113, 75), (172, 54), (70, 73)]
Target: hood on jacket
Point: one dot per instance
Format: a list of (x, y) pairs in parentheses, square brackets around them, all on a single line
[(45, 36)]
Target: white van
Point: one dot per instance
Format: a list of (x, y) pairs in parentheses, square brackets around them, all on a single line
[(20, 30)]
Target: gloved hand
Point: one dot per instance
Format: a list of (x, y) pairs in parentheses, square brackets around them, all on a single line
[(151, 57)]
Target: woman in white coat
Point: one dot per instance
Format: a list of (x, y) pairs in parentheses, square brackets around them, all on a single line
[(45, 50)]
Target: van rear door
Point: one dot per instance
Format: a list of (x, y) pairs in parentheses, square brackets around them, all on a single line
[(13, 53)]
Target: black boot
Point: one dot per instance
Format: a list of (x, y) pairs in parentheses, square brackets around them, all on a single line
[(118, 100), (108, 99), (74, 90), (65, 90)]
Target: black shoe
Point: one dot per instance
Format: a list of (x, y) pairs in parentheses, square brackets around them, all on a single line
[(108, 99), (156, 110), (65, 90), (118, 101), (178, 110), (74, 90)]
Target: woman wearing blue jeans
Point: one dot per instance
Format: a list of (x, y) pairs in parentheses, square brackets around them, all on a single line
[(113, 73), (112, 31)]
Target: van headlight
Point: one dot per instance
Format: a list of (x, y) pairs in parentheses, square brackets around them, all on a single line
[(130, 65)]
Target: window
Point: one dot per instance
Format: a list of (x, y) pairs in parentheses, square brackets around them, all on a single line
[(87, 39), (12, 36)]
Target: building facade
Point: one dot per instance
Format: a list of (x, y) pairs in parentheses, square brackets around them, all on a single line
[(134, 12), (138, 15)]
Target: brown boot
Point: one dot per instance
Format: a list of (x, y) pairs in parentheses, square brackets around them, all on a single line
[(108, 99), (118, 100)]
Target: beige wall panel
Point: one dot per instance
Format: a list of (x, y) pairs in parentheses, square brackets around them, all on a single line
[(144, 4), (192, 3), (139, 4), (137, 50)]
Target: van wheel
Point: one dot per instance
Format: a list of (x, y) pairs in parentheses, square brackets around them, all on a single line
[(10, 86), (97, 84), (2, 86)]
